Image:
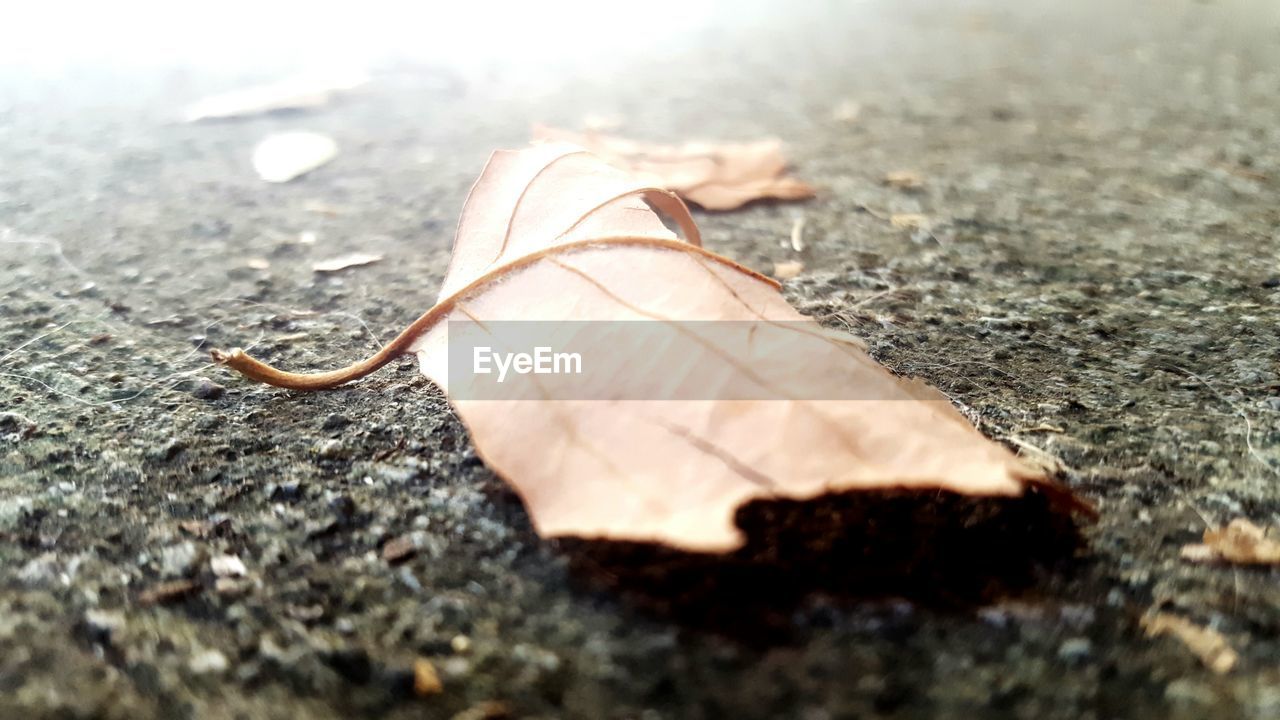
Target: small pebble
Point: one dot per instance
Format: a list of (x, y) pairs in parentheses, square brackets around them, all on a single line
[(228, 566), (209, 661), (179, 560), (208, 390), (1075, 650), (285, 492), (399, 549), (344, 506), (335, 421), (331, 448), (231, 587), (102, 624), (455, 667)]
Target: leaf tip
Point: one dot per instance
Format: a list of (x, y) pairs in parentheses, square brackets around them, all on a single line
[(224, 357)]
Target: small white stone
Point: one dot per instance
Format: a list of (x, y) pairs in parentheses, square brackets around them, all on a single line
[(228, 566), (105, 622), (284, 156), (178, 560), (208, 661)]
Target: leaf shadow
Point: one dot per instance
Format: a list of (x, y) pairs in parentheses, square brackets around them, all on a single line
[(932, 548)]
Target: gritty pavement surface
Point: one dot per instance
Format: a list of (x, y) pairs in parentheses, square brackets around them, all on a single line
[(1097, 284)]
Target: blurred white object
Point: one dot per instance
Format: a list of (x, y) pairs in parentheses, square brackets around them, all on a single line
[(282, 157), (343, 262), (297, 93)]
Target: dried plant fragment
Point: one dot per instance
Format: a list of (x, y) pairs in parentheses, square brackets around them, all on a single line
[(342, 262), (426, 681), (298, 93), (717, 176), (552, 234), (285, 156), (1038, 457), (1209, 645), (797, 234), (909, 221), (205, 528), (904, 180), (1240, 543), (322, 208), (166, 592), (788, 269)]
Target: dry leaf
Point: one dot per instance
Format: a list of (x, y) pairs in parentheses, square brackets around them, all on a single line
[(909, 221), (788, 269), (904, 180), (1240, 542), (284, 156), (717, 176), (1207, 644), (342, 262), (552, 234), (293, 94)]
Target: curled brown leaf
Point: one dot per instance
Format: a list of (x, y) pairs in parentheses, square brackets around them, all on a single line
[(716, 176), (554, 235)]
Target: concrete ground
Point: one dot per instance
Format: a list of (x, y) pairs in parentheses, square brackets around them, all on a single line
[(1100, 288)]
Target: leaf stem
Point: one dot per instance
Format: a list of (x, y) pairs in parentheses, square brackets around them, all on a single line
[(238, 360)]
